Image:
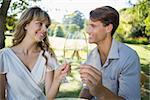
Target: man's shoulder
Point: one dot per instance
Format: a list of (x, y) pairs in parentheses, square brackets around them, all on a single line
[(94, 50), (125, 49)]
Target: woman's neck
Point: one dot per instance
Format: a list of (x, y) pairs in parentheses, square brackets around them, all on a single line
[(27, 47)]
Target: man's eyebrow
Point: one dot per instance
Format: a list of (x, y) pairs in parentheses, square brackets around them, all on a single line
[(92, 24)]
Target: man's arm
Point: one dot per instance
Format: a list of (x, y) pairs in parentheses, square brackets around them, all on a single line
[(85, 94), (106, 94), (129, 80), (93, 79)]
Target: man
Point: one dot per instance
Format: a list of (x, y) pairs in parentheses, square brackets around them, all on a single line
[(112, 69)]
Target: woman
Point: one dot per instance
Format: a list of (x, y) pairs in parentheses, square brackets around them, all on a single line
[(27, 68)]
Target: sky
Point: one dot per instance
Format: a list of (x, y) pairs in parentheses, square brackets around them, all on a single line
[(58, 8)]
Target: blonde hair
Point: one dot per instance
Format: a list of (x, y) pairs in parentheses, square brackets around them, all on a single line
[(27, 16)]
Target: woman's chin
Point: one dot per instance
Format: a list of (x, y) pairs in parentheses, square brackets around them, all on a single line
[(40, 39)]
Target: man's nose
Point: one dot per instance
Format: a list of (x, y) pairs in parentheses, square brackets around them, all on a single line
[(88, 30)]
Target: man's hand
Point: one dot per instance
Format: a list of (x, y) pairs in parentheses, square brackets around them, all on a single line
[(92, 78)]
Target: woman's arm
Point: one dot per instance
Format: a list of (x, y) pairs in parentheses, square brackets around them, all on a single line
[(50, 86), (53, 80), (2, 86)]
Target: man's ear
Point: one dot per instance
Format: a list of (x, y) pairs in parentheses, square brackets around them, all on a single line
[(109, 28)]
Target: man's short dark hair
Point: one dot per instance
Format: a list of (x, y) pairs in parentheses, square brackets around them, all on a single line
[(107, 15)]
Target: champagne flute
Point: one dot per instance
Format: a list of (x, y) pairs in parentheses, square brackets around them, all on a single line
[(65, 79), (75, 48)]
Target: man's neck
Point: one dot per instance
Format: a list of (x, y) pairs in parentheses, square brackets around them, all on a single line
[(104, 48)]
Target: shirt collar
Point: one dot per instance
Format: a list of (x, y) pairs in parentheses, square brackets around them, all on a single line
[(114, 50), (113, 53), (94, 57)]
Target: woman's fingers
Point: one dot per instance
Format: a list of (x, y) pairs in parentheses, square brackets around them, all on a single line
[(62, 71), (66, 69), (63, 75)]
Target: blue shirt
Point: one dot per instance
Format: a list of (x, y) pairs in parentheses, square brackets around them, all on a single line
[(120, 72)]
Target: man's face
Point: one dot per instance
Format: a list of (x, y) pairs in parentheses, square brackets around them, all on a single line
[(97, 31)]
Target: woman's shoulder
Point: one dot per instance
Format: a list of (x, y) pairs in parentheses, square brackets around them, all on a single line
[(4, 51), (3, 67), (49, 54)]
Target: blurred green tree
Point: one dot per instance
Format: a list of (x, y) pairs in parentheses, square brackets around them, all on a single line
[(58, 32), (76, 18), (135, 21), (9, 9)]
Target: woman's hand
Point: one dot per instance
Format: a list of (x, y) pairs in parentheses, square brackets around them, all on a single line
[(59, 74), (62, 71)]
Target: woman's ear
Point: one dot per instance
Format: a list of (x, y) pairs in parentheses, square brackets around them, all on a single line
[(26, 27), (109, 28)]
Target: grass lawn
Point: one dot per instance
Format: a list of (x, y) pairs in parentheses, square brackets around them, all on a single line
[(73, 87)]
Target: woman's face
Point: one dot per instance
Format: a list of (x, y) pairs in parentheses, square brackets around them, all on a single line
[(36, 30)]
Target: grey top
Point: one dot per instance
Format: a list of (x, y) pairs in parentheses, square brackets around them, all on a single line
[(21, 83), (121, 71)]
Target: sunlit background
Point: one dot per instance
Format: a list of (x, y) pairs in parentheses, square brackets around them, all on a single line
[(68, 37), (58, 8)]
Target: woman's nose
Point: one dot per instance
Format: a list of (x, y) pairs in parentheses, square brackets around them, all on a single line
[(44, 28)]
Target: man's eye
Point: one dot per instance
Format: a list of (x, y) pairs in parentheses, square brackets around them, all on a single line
[(92, 25), (40, 24)]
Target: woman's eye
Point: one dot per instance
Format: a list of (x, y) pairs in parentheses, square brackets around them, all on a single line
[(40, 24), (47, 26)]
